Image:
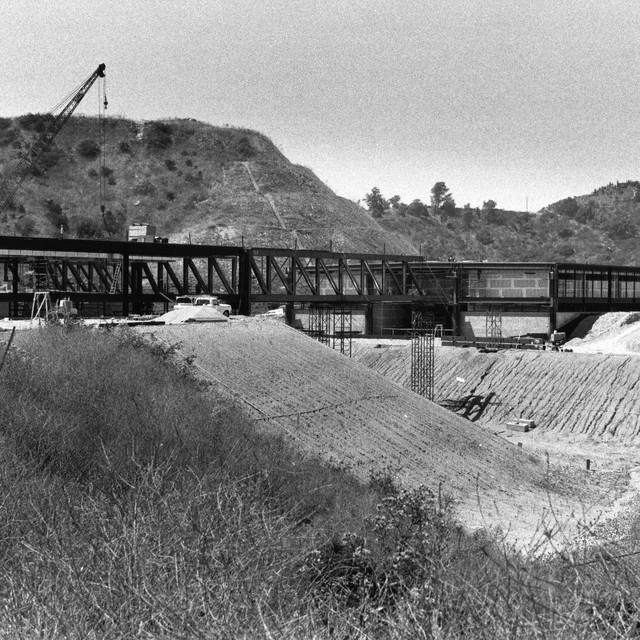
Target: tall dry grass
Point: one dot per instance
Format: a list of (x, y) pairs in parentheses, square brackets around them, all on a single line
[(136, 504)]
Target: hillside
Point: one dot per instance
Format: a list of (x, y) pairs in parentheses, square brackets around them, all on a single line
[(601, 227), (576, 395), (194, 181), (221, 185)]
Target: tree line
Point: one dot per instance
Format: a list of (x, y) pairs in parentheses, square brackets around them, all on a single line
[(441, 202)]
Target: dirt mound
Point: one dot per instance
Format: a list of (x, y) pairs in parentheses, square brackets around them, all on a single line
[(347, 413), (587, 395), (180, 315), (614, 333)]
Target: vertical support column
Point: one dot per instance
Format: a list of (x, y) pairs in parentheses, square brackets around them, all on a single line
[(14, 286), (267, 275), (125, 283), (293, 277), (160, 278), (65, 275), (244, 283), (554, 288), (185, 276), (234, 272), (210, 276)]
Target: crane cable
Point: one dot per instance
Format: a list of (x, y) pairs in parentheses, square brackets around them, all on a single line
[(102, 141)]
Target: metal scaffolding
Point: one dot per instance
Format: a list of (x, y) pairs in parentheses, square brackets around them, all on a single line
[(422, 355), (493, 325), (320, 324), (332, 326), (342, 335)]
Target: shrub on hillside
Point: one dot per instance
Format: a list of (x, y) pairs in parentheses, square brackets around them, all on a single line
[(55, 215), (124, 146), (37, 122), (8, 134), (49, 158), (89, 149), (158, 135), (242, 149), (88, 228)]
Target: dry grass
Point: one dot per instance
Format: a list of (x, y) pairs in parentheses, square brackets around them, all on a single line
[(134, 507)]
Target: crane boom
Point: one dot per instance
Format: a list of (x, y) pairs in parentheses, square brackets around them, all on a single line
[(10, 184)]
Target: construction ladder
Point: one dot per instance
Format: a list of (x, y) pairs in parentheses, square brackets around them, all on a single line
[(116, 277)]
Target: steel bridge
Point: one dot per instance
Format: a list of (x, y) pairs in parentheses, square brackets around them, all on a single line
[(122, 278)]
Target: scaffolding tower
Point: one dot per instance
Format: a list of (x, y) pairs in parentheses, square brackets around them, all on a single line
[(422, 355), (493, 325), (320, 324), (342, 331), (332, 326)]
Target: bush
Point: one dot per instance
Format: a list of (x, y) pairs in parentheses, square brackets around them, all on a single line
[(124, 147), (37, 122), (170, 164), (158, 135), (243, 149), (55, 215), (89, 149), (49, 158), (8, 135), (88, 228)]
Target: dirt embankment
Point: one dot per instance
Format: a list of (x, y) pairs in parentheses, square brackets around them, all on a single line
[(578, 394), (347, 413)]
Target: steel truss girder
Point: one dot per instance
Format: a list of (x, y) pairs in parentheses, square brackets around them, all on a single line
[(314, 276)]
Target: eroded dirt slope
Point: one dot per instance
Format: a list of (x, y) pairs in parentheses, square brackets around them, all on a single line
[(594, 395), (348, 413)]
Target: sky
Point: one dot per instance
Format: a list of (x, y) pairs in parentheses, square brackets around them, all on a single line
[(523, 102)]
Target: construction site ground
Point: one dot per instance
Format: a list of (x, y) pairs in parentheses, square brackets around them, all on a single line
[(361, 413)]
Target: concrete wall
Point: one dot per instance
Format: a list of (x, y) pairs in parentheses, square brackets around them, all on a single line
[(473, 324), (507, 283)]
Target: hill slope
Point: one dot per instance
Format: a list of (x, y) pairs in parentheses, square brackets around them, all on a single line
[(192, 180), (583, 395), (602, 228), (350, 415), (207, 184)]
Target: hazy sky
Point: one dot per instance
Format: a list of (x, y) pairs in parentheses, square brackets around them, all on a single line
[(500, 99)]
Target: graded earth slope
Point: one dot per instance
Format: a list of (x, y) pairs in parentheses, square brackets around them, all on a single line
[(576, 394), (348, 414)]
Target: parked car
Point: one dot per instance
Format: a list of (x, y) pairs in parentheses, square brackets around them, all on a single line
[(204, 301)]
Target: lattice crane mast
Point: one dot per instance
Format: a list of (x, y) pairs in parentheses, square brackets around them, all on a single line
[(10, 184)]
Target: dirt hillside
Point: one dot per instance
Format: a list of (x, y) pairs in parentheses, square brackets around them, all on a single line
[(349, 414), (195, 182), (577, 394)]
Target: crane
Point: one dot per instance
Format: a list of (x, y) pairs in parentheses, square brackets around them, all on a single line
[(10, 184)]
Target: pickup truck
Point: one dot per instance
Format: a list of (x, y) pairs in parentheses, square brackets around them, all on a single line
[(204, 301)]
